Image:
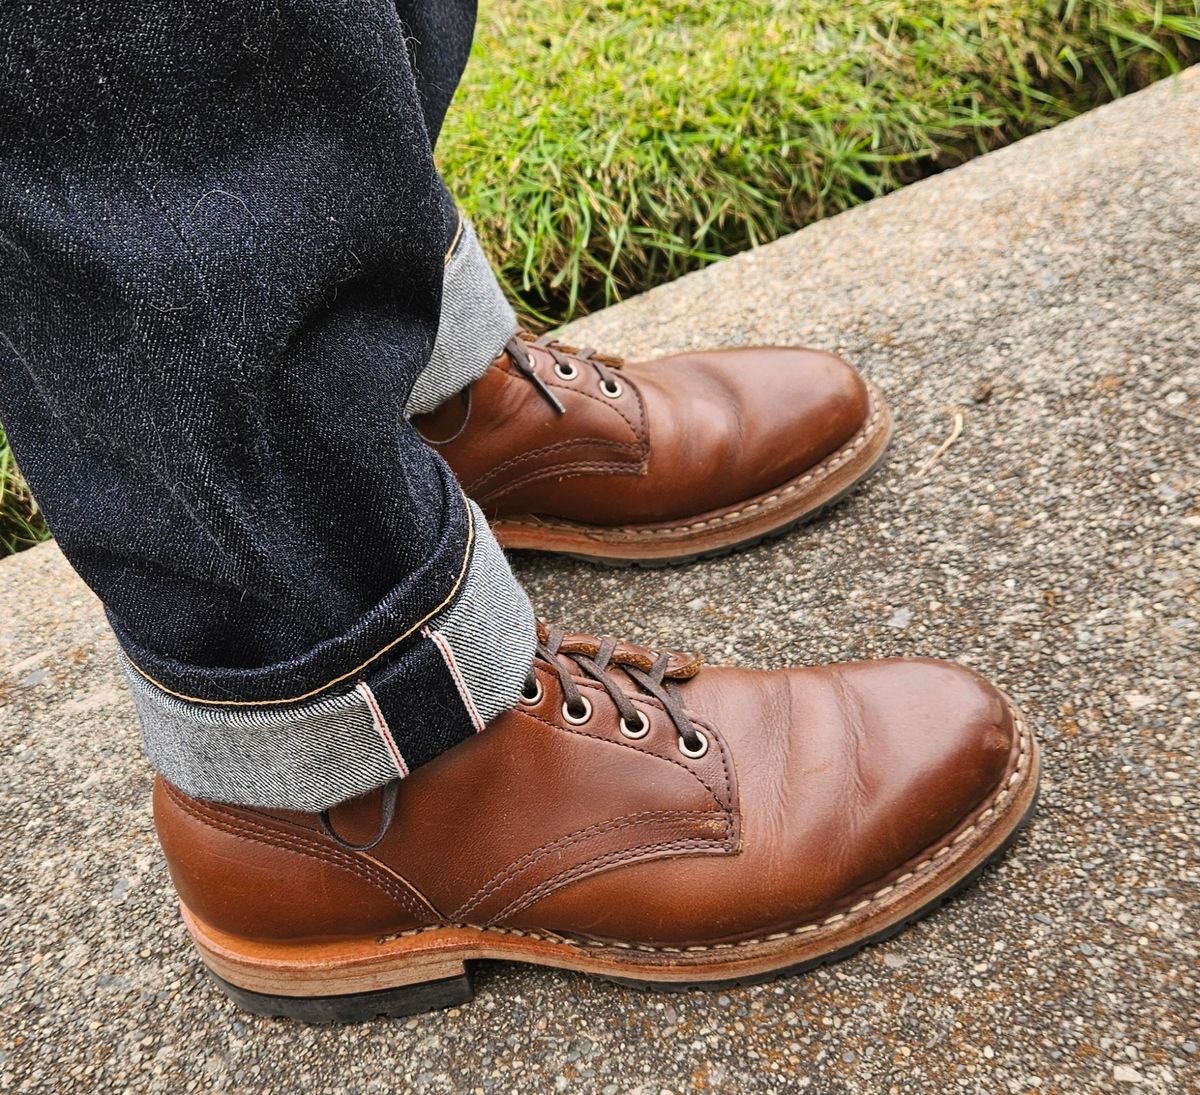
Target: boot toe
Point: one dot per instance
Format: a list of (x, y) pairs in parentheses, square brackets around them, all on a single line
[(766, 415), (932, 742), (824, 401), (847, 778), (799, 406)]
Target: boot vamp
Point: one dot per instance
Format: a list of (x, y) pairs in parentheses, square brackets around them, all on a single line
[(844, 774), (723, 426)]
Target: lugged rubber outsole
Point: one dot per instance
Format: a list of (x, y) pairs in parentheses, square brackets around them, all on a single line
[(359, 1007)]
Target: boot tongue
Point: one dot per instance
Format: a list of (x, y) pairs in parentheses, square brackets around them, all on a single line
[(680, 666)]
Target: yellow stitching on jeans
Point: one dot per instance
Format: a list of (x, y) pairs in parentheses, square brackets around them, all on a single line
[(350, 673), (454, 243)]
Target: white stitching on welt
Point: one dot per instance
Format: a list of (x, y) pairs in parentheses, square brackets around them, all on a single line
[(821, 471), (582, 943), (381, 725)]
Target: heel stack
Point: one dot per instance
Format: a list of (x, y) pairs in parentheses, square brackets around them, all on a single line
[(341, 981), (355, 1007)]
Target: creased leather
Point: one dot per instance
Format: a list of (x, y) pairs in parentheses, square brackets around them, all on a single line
[(817, 782), (687, 435)]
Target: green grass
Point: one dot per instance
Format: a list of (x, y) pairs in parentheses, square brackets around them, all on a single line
[(606, 146), (21, 523)]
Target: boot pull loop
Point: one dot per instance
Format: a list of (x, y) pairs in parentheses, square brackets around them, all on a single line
[(465, 396), (390, 791)]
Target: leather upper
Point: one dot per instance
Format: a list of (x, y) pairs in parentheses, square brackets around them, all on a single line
[(817, 783), (684, 435)]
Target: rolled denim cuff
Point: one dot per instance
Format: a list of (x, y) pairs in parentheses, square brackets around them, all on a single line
[(444, 680), (476, 321)]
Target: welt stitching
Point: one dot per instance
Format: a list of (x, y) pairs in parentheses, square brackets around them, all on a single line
[(822, 470), (531, 859), (625, 855), (260, 834)]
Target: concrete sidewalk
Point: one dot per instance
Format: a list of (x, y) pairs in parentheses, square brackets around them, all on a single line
[(1034, 317)]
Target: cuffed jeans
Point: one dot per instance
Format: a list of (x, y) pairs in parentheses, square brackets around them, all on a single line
[(229, 272)]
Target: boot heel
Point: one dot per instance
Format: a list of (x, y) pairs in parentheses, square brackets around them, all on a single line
[(355, 1007)]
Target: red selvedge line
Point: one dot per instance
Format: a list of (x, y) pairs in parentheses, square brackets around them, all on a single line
[(463, 691), (381, 725)]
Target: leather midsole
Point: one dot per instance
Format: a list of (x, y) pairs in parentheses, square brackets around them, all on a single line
[(428, 954)]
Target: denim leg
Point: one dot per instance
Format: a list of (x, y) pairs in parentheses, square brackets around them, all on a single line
[(476, 319), (222, 241)]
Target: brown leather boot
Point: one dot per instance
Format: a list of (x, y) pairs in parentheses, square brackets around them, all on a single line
[(634, 817), (660, 462)]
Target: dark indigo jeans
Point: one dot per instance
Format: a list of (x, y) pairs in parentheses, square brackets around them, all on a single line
[(223, 245)]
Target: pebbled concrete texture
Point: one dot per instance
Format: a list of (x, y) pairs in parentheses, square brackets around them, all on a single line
[(1034, 317)]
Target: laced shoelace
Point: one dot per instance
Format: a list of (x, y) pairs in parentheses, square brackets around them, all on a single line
[(577, 709), (567, 362), (564, 367)]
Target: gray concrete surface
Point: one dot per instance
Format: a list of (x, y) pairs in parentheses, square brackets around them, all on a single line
[(1049, 295)]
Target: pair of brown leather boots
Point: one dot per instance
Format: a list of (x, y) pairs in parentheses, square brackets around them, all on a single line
[(636, 815)]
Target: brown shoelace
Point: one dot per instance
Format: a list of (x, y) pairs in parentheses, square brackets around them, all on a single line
[(577, 709), (568, 362), (653, 682)]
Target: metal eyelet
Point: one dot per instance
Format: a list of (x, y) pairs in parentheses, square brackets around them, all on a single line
[(612, 389), (699, 751), (564, 370), (532, 700), (634, 733), (578, 720)]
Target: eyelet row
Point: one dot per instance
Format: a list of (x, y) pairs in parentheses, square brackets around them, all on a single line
[(533, 693), (611, 389)]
